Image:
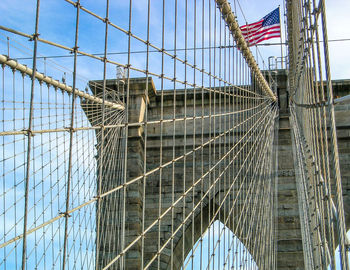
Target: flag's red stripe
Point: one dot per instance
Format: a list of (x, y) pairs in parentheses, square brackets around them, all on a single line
[(264, 38), (247, 34), (251, 24), (253, 44), (251, 29), (253, 39), (275, 26), (262, 31)]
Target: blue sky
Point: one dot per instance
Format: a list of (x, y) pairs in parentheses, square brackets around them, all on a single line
[(57, 21), (338, 21), (57, 24)]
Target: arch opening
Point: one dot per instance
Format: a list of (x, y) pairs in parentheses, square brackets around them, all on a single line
[(218, 248)]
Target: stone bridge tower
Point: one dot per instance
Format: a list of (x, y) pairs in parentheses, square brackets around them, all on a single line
[(159, 190), (154, 195)]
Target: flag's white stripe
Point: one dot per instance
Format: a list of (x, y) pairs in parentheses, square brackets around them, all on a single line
[(253, 39), (258, 29), (252, 29), (265, 38), (269, 26), (261, 31), (251, 24)]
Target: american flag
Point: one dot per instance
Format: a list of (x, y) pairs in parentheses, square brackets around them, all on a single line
[(268, 27)]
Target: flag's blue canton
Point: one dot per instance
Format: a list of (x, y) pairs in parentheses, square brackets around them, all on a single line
[(272, 18)]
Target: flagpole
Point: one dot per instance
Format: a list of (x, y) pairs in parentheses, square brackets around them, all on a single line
[(279, 9)]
